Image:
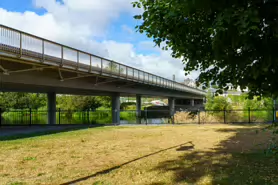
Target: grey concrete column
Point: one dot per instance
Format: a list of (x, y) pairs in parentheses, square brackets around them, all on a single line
[(171, 103), (116, 108), (192, 102), (51, 106), (138, 108)]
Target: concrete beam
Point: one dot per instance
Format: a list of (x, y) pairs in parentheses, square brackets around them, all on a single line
[(116, 108), (51, 106)]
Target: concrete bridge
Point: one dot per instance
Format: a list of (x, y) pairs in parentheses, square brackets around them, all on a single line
[(32, 64)]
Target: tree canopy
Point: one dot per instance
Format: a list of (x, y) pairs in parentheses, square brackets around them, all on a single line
[(229, 42)]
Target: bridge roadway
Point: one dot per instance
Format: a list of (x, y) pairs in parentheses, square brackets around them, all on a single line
[(32, 64)]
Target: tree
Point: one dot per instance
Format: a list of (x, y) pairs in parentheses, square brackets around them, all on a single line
[(258, 104), (218, 103), (227, 41), (18, 100)]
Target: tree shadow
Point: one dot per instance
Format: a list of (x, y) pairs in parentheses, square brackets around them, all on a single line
[(180, 146), (238, 160), (8, 133)]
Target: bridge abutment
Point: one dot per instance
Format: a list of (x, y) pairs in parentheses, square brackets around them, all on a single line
[(116, 108), (51, 106)]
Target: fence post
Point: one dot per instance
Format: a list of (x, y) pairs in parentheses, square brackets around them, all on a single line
[(59, 115), (146, 116), (199, 120), (30, 114), (0, 117), (274, 116), (249, 117), (88, 116), (224, 115)]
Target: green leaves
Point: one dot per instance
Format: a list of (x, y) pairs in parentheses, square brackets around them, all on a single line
[(218, 35)]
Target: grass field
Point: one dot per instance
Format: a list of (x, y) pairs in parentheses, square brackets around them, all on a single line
[(152, 155)]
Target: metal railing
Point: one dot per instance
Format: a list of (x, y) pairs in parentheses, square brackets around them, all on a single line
[(26, 46), (40, 117)]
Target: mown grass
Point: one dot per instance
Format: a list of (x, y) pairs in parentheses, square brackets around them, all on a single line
[(191, 154)]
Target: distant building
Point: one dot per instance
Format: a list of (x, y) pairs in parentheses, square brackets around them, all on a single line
[(190, 82)]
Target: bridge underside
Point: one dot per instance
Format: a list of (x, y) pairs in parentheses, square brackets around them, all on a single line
[(32, 77)]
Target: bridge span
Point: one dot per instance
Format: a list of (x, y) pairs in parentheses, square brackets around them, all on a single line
[(32, 64)]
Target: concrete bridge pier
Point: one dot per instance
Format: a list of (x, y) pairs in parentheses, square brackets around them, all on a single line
[(116, 109), (51, 106), (171, 103), (138, 109), (192, 102)]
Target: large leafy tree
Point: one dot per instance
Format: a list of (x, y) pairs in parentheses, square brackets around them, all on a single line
[(229, 42)]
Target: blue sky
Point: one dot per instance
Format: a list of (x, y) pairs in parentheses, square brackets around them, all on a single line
[(102, 27), (20, 6), (118, 29)]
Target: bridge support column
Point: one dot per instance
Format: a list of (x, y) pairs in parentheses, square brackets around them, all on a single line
[(192, 102), (138, 109), (116, 109), (171, 103), (51, 106)]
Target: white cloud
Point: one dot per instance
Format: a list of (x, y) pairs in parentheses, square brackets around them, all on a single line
[(127, 29), (77, 22)]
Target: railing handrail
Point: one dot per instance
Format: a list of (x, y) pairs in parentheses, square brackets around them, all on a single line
[(189, 88)]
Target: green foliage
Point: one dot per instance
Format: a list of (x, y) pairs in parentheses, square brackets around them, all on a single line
[(217, 103), (12, 101), (261, 104), (18, 100), (128, 106), (227, 41), (70, 102)]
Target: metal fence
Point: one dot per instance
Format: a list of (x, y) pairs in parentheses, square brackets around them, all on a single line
[(226, 116), (23, 45), (40, 117)]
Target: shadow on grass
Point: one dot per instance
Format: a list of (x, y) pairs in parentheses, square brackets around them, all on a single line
[(20, 132), (237, 160), (178, 147)]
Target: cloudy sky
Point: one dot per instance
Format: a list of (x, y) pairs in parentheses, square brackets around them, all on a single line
[(101, 27)]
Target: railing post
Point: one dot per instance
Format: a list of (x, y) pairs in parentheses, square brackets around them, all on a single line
[(249, 117), (90, 68), (111, 67), (30, 116), (42, 50), (101, 63), (224, 115), (20, 40), (77, 62), (62, 55), (59, 116)]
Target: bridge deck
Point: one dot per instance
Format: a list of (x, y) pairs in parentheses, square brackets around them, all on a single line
[(15, 43)]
